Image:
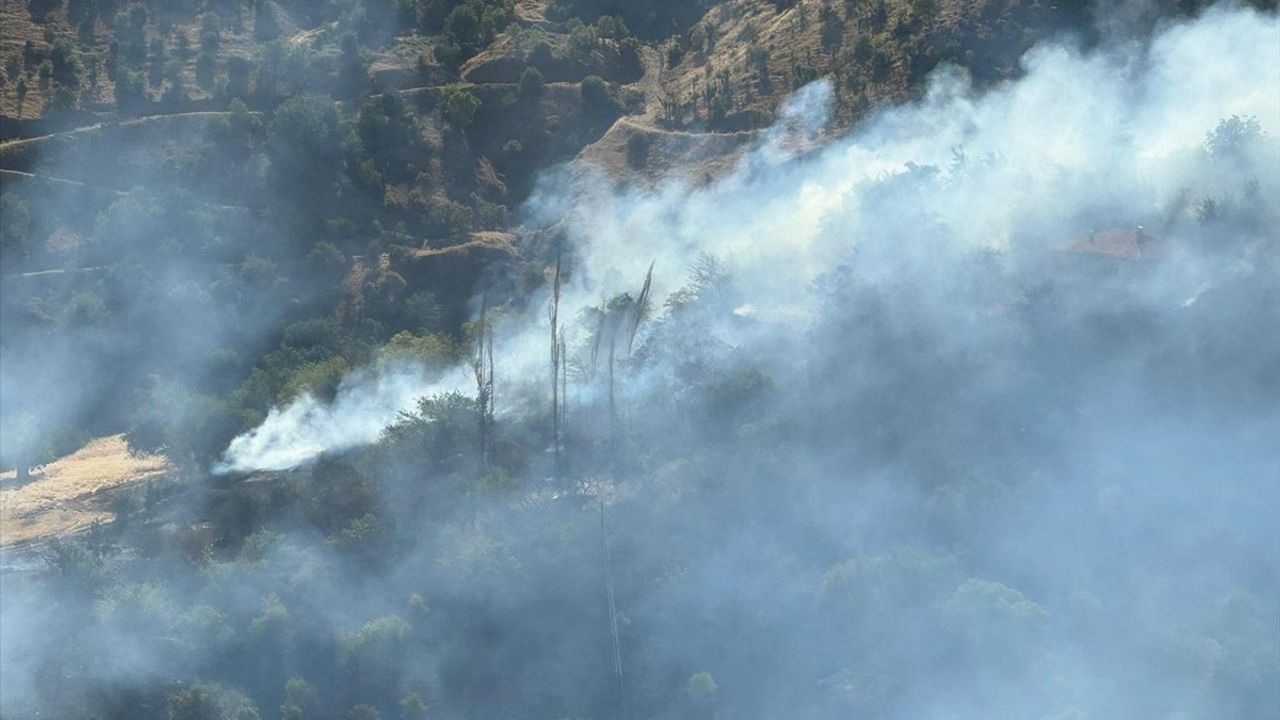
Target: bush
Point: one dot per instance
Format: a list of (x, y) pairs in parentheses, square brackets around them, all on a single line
[(541, 54), (832, 33), (597, 97), (300, 700), (531, 83), (337, 494), (206, 69), (363, 712), (701, 687), (238, 70), (609, 26), (458, 106), (374, 655), (432, 349), (207, 701), (448, 219), (423, 312), (265, 25), (304, 147), (191, 427), (638, 150), (320, 379), (675, 54)]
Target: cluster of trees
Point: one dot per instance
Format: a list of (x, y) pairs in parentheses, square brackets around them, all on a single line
[(58, 72), (465, 27), (650, 19)]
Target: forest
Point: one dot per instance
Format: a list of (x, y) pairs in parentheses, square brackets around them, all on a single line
[(688, 360)]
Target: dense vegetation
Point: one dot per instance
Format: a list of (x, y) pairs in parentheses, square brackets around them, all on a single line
[(212, 209)]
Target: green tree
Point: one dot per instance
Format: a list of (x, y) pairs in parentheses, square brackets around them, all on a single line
[(1233, 137), (531, 84), (22, 95), (207, 701), (64, 64), (62, 99), (638, 150), (363, 712), (374, 655), (612, 27), (130, 96), (15, 229), (458, 106), (206, 69), (238, 70), (389, 137), (265, 25), (832, 32), (597, 97), (300, 701), (701, 687), (412, 707), (304, 146), (193, 429)]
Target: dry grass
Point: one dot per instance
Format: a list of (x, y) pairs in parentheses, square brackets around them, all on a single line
[(484, 240), (73, 492), (670, 153)]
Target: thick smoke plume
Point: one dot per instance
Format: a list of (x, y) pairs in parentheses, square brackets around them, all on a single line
[(365, 403)]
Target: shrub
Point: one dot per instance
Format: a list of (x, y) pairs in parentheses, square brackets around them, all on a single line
[(597, 97), (638, 150), (207, 701), (541, 54), (612, 27), (531, 83), (458, 106), (300, 700), (701, 687)]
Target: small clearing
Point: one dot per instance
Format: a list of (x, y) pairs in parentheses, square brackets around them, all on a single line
[(73, 492)]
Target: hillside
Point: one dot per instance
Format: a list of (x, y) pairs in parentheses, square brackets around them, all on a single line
[(362, 130), (639, 359)]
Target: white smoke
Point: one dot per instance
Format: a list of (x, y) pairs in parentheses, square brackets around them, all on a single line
[(366, 402), (1112, 134)]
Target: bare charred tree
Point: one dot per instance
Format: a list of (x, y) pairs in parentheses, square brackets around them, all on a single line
[(482, 365), (607, 554), (564, 402), (553, 314), (621, 312), (641, 309), (618, 310)]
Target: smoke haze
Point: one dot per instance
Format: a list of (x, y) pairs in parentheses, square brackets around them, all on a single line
[(971, 412)]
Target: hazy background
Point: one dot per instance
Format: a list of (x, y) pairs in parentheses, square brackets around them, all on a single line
[(880, 446)]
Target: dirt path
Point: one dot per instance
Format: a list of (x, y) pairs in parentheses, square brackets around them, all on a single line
[(4, 172), (700, 134), (72, 493), (147, 119), (650, 83)]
